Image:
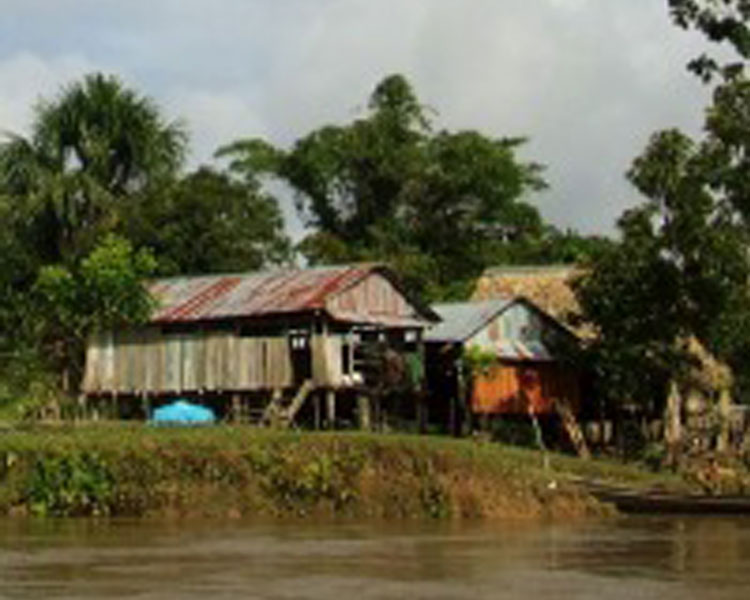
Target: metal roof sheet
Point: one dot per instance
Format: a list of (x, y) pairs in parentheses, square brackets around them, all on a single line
[(217, 297), (523, 350), (461, 320)]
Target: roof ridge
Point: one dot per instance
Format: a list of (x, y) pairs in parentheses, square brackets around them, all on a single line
[(267, 272), (530, 268)]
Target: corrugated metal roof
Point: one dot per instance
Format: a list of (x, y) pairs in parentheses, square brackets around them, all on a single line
[(217, 297), (523, 350), (461, 320)]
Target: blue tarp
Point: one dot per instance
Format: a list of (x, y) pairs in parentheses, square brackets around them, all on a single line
[(183, 412)]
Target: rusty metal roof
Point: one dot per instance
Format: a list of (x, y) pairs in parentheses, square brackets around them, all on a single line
[(218, 297)]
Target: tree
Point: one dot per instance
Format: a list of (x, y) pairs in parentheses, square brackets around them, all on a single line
[(388, 187), (105, 291), (720, 21), (64, 189), (92, 148), (678, 278), (209, 222)]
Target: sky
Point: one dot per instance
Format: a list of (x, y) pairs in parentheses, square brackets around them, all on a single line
[(586, 81)]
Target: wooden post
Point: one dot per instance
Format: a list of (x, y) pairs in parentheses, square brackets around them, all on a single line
[(82, 413), (422, 415), (316, 407), (145, 405), (462, 389), (673, 425), (364, 412), (331, 408), (236, 408), (276, 411), (725, 404), (453, 416)]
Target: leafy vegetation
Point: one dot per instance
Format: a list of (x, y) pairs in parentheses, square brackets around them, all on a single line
[(680, 271), (440, 206), (92, 202), (139, 470)]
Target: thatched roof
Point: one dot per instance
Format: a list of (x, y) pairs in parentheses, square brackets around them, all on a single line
[(549, 286), (709, 374)]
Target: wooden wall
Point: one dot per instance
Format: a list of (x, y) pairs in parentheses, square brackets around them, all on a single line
[(374, 296), (508, 388), (146, 360)]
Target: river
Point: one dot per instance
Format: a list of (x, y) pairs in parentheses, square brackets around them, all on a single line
[(676, 558)]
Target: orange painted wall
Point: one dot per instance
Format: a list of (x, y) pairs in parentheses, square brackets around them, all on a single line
[(508, 388)]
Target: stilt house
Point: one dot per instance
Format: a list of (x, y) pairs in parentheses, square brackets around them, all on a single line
[(523, 372), (259, 341)]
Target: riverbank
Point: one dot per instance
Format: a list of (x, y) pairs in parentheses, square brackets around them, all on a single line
[(136, 470)]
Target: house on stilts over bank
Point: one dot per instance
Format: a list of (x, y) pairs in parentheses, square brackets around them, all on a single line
[(499, 358), (268, 346), (704, 398)]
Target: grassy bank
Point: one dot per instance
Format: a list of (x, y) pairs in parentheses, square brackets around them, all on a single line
[(225, 471)]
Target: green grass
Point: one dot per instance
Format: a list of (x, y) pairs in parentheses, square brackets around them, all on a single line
[(139, 470)]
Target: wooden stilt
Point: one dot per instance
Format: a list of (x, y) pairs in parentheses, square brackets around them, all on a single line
[(316, 407), (725, 404), (236, 408), (331, 408), (422, 413), (453, 417), (673, 425), (364, 413)]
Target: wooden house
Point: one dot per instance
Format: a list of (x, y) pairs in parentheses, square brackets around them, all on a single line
[(521, 347), (258, 342)]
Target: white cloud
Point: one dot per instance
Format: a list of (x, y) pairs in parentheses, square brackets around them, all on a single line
[(213, 118), (586, 80), (25, 78)]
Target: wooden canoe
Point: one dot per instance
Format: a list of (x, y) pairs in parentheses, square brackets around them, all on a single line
[(629, 500)]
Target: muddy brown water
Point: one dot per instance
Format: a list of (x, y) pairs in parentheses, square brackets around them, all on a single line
[(675, 558)]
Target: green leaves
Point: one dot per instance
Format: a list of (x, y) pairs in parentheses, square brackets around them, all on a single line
[(209, 222), (90, 149), (387, 187), (681, 270), (720, 21), (106, 291)]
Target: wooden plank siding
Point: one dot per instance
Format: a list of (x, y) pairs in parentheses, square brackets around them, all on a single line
[(145, 360), (326, 360), (509, 388), (373, 296)]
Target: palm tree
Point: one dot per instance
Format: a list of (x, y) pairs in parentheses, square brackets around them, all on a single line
[(90, 149)]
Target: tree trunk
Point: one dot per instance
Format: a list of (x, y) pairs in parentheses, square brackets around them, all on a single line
[(725, 405), (673, 425)]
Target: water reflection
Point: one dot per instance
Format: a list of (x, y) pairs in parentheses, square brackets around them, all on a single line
[(644, 558)]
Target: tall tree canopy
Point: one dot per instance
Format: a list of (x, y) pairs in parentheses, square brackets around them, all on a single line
[(209, 222), (387, 186), (89, 149), (92, 201), (720, 21), (681, 270)]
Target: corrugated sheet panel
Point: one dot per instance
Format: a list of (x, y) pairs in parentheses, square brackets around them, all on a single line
[(461, 320), (356, 293), (512, 328)]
